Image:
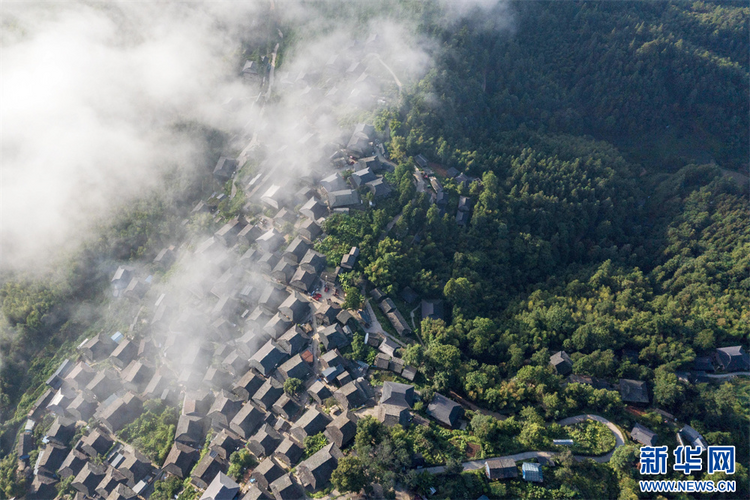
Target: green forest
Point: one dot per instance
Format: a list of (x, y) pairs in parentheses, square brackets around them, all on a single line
[(608, 143)]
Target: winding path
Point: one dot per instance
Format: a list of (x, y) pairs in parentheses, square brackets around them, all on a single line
[(728, 375), (527, 455)]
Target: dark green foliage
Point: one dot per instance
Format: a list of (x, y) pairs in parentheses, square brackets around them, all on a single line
[(166, 489), (349, 475), (152, 432), (353, 298), (12, 484), (591, 438), (239, 462), (293, 386), (314, 444)]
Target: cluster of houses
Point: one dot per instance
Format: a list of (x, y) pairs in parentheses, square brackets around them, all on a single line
[(265, 309), (427, 182), (635, 392)]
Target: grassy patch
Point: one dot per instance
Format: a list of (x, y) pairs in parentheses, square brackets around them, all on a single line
[(591, 438)]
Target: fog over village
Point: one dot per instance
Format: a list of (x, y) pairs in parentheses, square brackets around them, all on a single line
[(207, 210)]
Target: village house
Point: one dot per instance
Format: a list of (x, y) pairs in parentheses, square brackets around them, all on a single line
[(349, 259), (223, 410), (225, 443), (247, 420), (207, 468), (270, 241), (289, 452), (109, 482), (249, 234), (89, 478), (247, 385), (731, 359), (271, 299), (57, 378), (180, 460), (342, 198), (395, 401), (379, 188), (444, 410), (389, 347), (294, 309), (633, 391), (342, 429), (303, 280), (319, 391), (286, 407), (326, 314), (315, 472), (350, 396), (561, 362), (313, 210), (97, 348), (333, 182), (267, 359), (267, 262), (50, 458), (273, 197), (72, 464), (283, 271), (331, 358), (276, 326), (254, 493), (292, 341), (135, 467), (296, 250), (398, 322), (136, 289), (500, 468), (79, 376), (190, 431), (96, 443), (432, 309), (264, 442), (228, 233), (532, 472), (224, 169), (165, 258), (61, 431), (121, 412), (83, 407), (122, 277), (294, 367), (643, 435), (222, 487), (266, 472), (268, 394), (309, 424), (387, 305), (332, 337), (284, 488), (235, 362), (313, 262), (309, 230)]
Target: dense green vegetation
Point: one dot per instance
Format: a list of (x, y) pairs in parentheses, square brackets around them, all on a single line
[(601, 224), (153, 431), (314, 443), (166, 489), (591, 438), (239, 462)]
